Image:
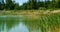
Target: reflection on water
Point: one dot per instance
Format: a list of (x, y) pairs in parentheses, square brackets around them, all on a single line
[(17, 24), (10, 24), (19, 28)]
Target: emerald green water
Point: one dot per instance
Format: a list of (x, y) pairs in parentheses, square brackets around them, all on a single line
[(16, 24)]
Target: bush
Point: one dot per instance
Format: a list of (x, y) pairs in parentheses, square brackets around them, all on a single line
[(42, 8)]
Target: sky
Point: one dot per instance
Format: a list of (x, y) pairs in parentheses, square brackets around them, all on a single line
[(21, 1)]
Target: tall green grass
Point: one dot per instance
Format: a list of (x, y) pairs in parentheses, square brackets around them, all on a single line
[(46, 22)]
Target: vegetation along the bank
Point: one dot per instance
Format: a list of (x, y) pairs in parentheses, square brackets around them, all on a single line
[(30, 4)]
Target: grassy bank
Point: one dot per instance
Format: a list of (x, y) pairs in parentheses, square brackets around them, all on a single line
[(47, 22), (27, 12)]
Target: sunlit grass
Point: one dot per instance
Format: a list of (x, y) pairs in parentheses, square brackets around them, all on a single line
[(47, 22)]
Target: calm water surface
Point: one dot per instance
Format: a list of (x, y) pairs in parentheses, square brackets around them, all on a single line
[(17, 24)]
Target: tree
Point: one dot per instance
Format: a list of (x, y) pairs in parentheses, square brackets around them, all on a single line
[(58, 3), (2, 5), (10, 4)]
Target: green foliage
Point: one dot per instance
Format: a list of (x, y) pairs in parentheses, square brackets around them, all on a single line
[(2, 6), (17, 7), (10, 5), (44, 21), (31, 4), (42, 8)]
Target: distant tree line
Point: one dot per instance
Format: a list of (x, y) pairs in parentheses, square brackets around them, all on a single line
[(31, 4)]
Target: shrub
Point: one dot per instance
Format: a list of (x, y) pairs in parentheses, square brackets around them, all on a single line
[(42, 8)]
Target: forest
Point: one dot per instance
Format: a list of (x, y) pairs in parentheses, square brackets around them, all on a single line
[(30, 5)]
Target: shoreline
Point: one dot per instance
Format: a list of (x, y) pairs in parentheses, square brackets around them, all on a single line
[(28, 12)]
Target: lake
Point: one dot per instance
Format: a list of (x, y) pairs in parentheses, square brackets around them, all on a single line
[(43, 23), (17, 24)]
